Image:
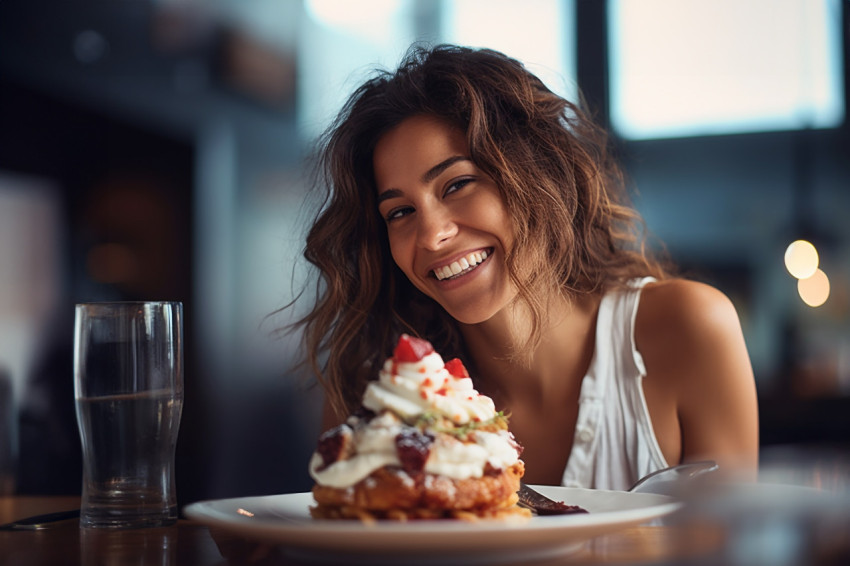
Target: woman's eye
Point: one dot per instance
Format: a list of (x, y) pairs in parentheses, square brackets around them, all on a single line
[(457, 185), (397, 213)]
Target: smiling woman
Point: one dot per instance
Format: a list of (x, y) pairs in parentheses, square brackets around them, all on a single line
[(468, 204)]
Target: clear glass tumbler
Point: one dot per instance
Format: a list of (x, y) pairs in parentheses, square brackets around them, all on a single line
[(128, 381)]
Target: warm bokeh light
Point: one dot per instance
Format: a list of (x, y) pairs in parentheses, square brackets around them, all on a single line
[(801, 259), (814, 290)]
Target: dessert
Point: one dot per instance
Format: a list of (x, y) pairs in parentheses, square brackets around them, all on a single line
[(424, 445)]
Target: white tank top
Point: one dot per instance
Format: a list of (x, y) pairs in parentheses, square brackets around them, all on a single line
[(614, 443)]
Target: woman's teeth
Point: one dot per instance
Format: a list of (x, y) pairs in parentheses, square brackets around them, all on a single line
[(460, 266)]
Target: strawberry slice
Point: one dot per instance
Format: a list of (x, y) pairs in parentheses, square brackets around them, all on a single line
[(411, 349), (456, 368)]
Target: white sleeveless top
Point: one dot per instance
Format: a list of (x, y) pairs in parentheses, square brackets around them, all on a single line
[(614, 443)]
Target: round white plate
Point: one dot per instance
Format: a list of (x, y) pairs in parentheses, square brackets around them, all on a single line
[(285, 519)]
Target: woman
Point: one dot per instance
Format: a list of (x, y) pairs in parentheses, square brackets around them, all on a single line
[(469, 205)]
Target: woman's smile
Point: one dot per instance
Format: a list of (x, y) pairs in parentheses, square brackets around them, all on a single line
[(462, 266)]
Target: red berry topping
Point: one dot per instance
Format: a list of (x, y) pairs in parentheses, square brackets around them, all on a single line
[(335, 444), (456, 368), (411, 349), (413, 448)]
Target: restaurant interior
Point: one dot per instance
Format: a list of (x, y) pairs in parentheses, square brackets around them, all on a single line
[(160, 150)]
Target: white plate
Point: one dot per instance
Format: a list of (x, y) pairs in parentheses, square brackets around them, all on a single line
[(285, 519)]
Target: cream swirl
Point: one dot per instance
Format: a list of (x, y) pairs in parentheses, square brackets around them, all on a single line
[(411, 389)]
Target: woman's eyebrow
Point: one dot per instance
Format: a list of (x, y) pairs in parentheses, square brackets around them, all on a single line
[(388, 194), (434, 171), (427, 177)]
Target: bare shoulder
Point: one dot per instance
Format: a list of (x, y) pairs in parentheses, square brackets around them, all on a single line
[(683, 328), (680, 310), (696, 359)]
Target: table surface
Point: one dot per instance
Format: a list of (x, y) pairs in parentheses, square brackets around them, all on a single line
[(192, 543)]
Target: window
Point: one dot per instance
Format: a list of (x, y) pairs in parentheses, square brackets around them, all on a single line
[(698, 67), (540, 33), (340, 43)]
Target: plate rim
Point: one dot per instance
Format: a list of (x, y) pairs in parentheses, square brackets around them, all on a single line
[(420, 536)]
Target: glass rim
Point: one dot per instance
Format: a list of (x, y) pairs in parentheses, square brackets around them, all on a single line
[(126, 303)]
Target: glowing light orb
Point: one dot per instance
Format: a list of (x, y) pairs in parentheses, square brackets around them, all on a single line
[(814, 290), (801, 259)]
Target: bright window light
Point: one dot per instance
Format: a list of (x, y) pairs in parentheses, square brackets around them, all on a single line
[(540, 33), (701, 67), (340, 44), (372, 24)]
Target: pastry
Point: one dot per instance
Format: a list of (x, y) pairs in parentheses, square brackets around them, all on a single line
[(424, 445)]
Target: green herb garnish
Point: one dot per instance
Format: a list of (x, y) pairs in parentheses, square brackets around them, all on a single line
[(439, 423)]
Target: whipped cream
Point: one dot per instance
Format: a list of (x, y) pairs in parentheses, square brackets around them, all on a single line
[(413, 388), (405, 393)]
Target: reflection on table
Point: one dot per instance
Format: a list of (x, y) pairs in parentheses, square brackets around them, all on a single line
[(192, 543)]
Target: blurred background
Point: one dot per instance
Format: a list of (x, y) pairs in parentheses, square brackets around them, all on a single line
[(158, 150)]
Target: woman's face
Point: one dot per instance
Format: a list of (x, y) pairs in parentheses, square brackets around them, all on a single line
[(447, 224)]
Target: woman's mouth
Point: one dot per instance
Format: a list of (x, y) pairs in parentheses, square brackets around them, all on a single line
[(462, 266)]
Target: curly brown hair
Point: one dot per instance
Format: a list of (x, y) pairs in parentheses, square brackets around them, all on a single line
[(551, 162)]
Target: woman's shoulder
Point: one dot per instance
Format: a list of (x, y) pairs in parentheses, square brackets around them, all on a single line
[(681, 322), (675, 305)]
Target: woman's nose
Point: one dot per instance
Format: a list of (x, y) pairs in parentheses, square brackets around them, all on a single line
[(436, 227)]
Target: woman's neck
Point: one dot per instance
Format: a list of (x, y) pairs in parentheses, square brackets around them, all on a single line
[(505, 370)]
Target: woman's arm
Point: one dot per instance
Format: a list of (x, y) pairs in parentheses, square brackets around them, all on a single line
[(699, 377)]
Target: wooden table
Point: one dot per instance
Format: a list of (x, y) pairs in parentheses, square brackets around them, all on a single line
[(194, 544)]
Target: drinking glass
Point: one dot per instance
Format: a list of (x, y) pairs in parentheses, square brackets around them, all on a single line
[(128, 382)]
